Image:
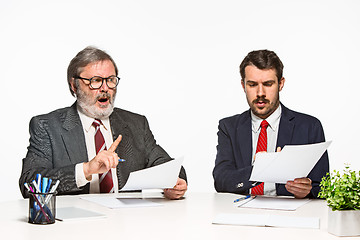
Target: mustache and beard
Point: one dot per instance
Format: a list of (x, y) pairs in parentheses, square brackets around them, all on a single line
[(267, 109), (87, 104), (261, 99)]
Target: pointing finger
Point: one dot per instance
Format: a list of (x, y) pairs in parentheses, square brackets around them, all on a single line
[(115, 144)]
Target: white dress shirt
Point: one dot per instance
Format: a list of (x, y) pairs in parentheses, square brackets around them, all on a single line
[(272, 134), (89, 133)]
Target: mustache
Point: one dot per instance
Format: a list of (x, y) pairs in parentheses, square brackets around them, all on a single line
[(103, 95), (261, 99)]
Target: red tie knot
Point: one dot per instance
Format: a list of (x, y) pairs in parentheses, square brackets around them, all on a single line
[(96, 123), (264, 124)]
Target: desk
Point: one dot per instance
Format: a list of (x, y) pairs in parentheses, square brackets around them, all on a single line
[(177, 219)]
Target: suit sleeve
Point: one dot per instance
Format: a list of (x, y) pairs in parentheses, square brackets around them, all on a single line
[(156, 154), (316, 135), (230, 174), (39, 159)]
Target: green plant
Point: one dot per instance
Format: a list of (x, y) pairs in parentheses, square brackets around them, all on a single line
[(342, 192)]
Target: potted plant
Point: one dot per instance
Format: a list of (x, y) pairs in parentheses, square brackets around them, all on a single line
[(342, 194)]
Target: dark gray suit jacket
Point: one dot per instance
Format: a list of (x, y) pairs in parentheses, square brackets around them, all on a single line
[(57, 144)]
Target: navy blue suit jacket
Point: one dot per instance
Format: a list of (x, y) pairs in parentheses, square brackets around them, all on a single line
[(234, 150)]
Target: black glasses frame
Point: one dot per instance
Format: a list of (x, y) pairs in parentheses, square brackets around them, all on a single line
[(102, 82)]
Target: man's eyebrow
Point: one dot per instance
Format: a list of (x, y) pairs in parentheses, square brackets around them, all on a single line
[(250, 81), (270, 81)]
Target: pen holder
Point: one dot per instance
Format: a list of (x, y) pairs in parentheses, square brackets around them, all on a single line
[(42, 208)]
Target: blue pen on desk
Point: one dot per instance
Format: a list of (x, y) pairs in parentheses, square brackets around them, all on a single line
[(242, 198), (246, 201)]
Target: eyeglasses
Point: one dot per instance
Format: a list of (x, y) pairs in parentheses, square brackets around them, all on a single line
[(96, 82)]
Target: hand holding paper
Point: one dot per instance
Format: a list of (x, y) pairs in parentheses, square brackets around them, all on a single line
[(300, 187), (177, 191)]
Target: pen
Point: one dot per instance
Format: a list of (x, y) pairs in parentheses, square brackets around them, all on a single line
[(49, 184), (36, 186), (121, 160), (242, 198), (28, 187), (55, 186), (42, 210), (44, 184), (46, 199), (38, 190), (52, 190), (246, 201), (38, 181)]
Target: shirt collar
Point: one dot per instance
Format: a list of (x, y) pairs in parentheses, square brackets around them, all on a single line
[(273, 120), (88, 121)]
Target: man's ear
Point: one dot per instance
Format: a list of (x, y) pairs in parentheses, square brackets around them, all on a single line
[(243, 84), (73, 85), (281, 83)]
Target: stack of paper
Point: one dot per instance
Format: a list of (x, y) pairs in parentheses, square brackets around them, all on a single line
[(276, 203), (113, 202), (267, 220), (73, 213)]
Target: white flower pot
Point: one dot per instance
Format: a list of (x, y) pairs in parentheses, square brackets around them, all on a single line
[(344, 223)]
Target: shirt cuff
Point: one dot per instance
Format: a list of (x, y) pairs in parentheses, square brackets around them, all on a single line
[(80, 176)]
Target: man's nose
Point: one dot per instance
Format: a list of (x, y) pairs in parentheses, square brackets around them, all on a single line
[(260, 90), (104, 86)]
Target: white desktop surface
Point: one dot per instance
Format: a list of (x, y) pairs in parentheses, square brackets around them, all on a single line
[(190, 218)]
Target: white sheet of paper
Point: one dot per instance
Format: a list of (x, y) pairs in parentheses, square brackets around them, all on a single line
[(294, 161), (158, 177), (277, 203), (264, 220), (113, 202), (74, 213)]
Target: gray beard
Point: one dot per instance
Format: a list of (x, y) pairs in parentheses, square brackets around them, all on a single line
[(87, 107)]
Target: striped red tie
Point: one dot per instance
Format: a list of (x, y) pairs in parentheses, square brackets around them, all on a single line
[(261, 147), (105, 179)]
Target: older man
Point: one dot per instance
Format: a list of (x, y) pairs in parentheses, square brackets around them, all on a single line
[(81, 145), (267, 126)]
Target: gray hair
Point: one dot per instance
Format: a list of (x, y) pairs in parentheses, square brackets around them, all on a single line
[(82, 59)]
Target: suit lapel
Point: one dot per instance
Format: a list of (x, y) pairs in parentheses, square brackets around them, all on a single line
[(119, 126), (245, 138), (73, 136), (286, 127), (124, 149)]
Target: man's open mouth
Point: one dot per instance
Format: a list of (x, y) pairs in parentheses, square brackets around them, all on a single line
[(103, 99)]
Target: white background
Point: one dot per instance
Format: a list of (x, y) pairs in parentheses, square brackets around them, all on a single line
[(178, 63)]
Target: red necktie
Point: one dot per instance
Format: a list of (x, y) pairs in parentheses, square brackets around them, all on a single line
[(105, 179), (261, 147)]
